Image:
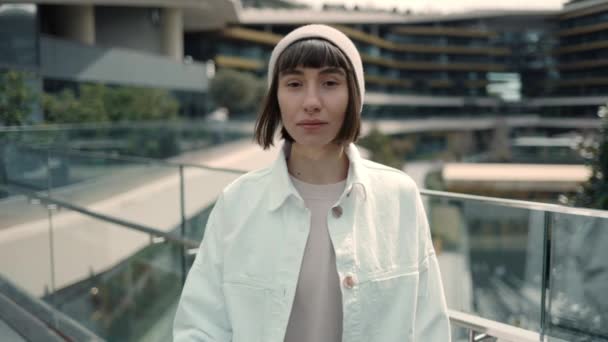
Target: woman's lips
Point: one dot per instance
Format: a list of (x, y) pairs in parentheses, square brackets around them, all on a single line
[(312, 125), (311, 122)]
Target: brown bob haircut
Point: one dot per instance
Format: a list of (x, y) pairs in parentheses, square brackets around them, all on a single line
[(309, 53)]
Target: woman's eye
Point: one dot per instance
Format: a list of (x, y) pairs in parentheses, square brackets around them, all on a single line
[(293, 84), (331, 83)]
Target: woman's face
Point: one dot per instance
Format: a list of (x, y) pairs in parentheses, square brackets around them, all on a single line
[(313, 104)]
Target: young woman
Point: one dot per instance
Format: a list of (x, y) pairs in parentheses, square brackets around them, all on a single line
[(323, 245)]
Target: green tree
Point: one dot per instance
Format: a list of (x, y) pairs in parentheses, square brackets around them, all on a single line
[(100, 103), (136, 104), (16, 98), (381, 148), (65, 107), (238, 91), (594, 193)]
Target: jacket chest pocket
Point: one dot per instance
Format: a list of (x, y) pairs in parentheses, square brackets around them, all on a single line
[(247, 306), (388, 302)]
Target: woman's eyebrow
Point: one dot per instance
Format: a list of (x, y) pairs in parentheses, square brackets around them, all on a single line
[(324, 71), (333, 70), (287, 72)]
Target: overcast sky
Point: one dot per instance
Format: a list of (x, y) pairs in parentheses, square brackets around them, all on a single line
[(444, 6)]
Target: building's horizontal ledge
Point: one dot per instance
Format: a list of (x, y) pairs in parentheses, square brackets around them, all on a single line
[(444, 31), (583, 47), (583, 9), (66, 60), (566, 101), (583, 29), (427, 100)]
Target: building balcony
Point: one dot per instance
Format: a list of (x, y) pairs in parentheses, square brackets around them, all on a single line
[(582, 81), (245, 34), (444, 31), (239, 63), (415, 65), (580, 30), (271, 39), (364, 37), (67, 60), (374, 79), (584, 64), (583, 10), (589, 46)]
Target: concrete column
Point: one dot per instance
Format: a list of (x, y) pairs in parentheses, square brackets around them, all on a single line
[(78, 23), (172, 31)]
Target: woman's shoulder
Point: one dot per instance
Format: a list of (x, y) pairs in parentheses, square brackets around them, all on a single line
[(248, 183)]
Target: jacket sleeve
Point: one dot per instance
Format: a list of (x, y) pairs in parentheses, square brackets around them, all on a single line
[(201, 312), (432, 321)]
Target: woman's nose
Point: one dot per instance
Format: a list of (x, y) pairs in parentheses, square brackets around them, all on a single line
[(312, 102)]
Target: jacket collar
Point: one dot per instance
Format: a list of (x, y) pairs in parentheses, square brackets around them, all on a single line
[(281, 188)]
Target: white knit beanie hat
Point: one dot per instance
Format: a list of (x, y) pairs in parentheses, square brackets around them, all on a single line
[(337, 38)]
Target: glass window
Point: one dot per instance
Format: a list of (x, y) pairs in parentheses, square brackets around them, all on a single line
[(18, 36)]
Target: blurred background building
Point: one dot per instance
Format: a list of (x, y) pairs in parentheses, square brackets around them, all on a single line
[(477, 63), (116, 43)]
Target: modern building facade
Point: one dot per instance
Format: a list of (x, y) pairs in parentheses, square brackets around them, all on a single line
[(582, 56), (129, 43), (501, 62), (551, 63)]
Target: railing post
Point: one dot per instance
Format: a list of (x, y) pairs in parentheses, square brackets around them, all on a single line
[(3, 169), (183, 225), (49, 186), (546, 275)]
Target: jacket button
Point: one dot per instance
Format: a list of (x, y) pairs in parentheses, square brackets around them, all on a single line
[(336, 211), (348, 282)]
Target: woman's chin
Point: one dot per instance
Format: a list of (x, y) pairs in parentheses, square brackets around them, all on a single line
[(313, 142)]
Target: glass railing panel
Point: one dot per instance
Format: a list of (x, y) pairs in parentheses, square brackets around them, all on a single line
[(68, 171), (27, 167), (25, 244), (201, 189), (148, 195), (491, 258), (157, 139), (577, 301), (138, 191), (120, 283)]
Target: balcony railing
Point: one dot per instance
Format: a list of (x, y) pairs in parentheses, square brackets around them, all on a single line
[(97, 250)]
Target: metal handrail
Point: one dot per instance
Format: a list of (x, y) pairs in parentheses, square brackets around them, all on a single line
[(555, 208), (481, 326), (123, 124), (133, 159), (34, 318), (131, 225)]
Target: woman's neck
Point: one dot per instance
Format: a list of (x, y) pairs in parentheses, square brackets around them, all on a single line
[(326, 165)]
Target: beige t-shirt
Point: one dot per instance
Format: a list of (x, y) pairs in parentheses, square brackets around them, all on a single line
[(316, 314)]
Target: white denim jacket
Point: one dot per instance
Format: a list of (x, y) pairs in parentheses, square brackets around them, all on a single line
[(242, 283)]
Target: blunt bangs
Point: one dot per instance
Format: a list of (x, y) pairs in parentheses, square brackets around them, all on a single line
[(312, 53)]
